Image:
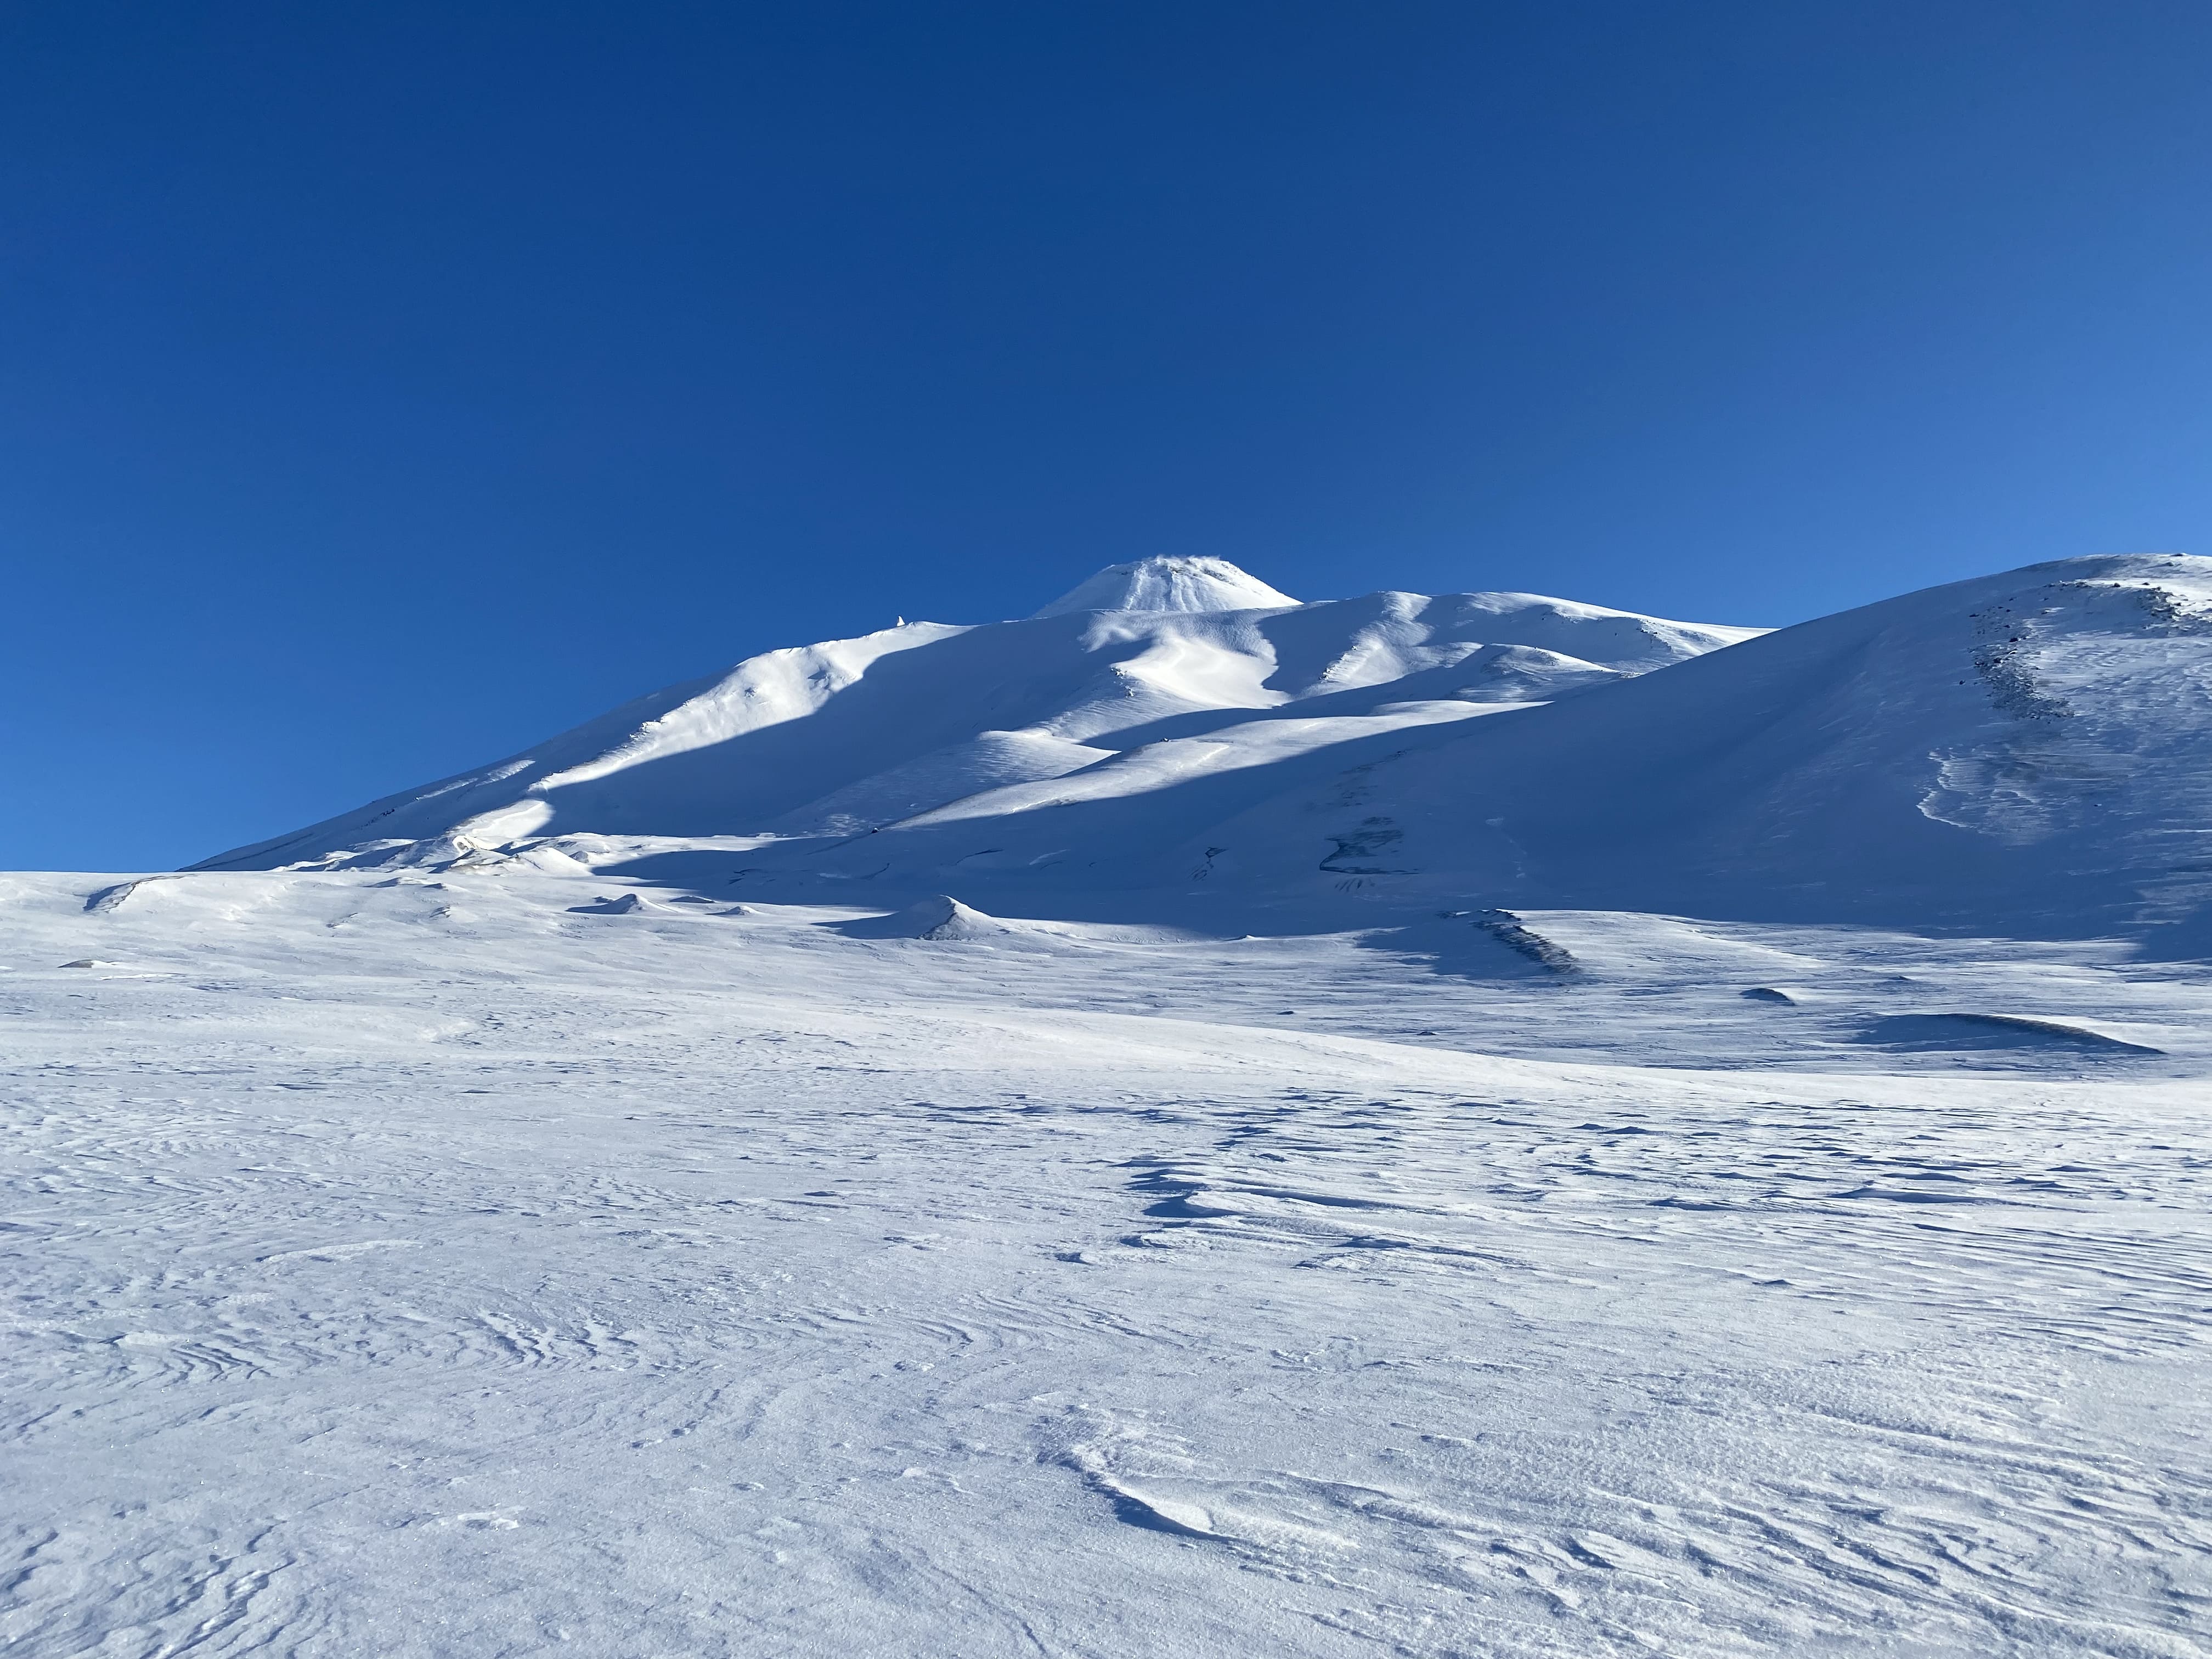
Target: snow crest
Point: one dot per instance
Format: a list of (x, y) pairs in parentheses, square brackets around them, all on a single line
[(1167, 583)]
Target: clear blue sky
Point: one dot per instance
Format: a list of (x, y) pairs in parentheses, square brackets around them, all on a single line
[(383, 387)]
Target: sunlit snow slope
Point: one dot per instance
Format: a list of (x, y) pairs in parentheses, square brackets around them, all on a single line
[(2028, 753), (846, 736)]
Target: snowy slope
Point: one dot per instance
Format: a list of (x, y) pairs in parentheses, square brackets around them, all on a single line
[(853, 733), (2028, 753)]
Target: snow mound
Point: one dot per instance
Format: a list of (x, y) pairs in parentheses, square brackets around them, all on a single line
[(1169, 585), (1909, 1033), (552, 861), (940, 917), (611, 904), (108, 899)]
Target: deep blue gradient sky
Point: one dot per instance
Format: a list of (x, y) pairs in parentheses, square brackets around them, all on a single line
[(383, 387)]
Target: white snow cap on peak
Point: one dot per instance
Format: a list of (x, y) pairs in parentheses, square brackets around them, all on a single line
[(1169, 585)]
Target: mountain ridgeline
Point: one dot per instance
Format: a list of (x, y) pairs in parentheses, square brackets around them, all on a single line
[(2025, 754)]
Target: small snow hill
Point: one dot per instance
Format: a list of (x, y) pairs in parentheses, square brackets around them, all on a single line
[(839, 738)]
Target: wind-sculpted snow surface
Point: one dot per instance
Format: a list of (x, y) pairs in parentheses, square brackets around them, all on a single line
[(498, 1261)]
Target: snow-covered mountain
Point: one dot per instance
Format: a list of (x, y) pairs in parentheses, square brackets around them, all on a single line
[(2028, 752), (1377, 1125), (850, 735)]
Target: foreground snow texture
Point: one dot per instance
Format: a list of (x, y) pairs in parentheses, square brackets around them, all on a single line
[(1176, 1131), (469, 1265)]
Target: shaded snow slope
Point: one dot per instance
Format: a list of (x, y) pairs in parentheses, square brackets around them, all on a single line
[(845, 735)]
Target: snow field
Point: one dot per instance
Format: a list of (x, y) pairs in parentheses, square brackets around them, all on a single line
[(486, 1264)]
